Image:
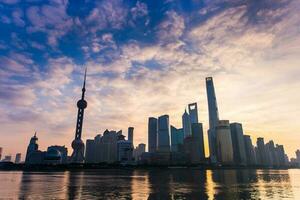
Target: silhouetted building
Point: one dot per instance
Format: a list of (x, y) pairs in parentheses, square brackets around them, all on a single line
[(163, 136), (194, 146), (176, 139), (193, 113), (281, 155), (261, 152), (18, 158), (106, 147), (77, 144), (198, 142), (238, 144), (271, 154), (186, 124), (7, 158), (125, 151), (57, 155), (1, 153), (110, 147), (130, 134), (90, 151), (53, 157), (33, 155), (298, 155), (249, 150), (152, 134), (224, 142), (138, 151), (213, 118)]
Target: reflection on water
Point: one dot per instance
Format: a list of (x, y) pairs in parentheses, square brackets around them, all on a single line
[(152, 184)]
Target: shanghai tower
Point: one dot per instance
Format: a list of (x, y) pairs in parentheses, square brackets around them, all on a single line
[(77, 144), (213, 118)]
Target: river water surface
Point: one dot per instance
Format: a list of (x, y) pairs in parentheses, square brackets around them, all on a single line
[(152, 184)]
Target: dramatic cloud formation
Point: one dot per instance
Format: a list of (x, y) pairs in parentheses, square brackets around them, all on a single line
[(147, 58)]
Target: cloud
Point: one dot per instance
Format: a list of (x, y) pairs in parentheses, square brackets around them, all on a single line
[(51, 19), (107, 15), (17, 95), (140, 10), (12, 65), (171, 28), (17, 17), (9, 1)]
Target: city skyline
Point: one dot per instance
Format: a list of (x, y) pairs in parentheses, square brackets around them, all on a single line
[(228, 145), (153, 70)]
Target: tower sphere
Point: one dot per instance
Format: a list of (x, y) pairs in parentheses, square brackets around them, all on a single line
[(82, 104), (77, 144)]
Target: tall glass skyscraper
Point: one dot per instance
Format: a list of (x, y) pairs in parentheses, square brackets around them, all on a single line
[(152, 134), (193, 112), (250, 153), (186, 124), (213, 118), (163, 134), (176, 138), (238, 144)]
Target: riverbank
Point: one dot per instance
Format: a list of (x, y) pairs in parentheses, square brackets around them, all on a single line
[(67, 167)]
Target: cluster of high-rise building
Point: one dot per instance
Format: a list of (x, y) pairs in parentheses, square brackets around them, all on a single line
[(111, 147), (296, 161), (8, 158), (227, 143), (53, 155), (186, 144), (167, 144)]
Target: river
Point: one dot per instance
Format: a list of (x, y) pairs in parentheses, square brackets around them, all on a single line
[(161, 184)]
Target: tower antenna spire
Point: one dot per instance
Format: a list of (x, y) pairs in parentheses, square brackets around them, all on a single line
[(84, 77), (84, 81)]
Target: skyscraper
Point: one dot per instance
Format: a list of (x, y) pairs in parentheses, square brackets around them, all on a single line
[(298, 155), (238, 143), (261, 152), (138, 151), (33, 155), (281, 155), (18, 158), (124, 151), (152, 134), (271, 153), (130, 134), (176, 139), (193, 112), (1, 152), (198, 142), (32, 147), (163, 136), (250, 153), (90, 151), (224, 142), (77, 144), (186, 124), (213, 118)]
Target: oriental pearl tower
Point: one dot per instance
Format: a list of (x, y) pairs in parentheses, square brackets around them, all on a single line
[(77, 144)]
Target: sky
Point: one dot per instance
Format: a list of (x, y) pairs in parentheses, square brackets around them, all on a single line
[(147, 58)]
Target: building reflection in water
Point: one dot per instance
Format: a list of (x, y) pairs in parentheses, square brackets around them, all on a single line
[(275, 184), (104, 184), (140, 184), (42, 185), (157, 184)]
